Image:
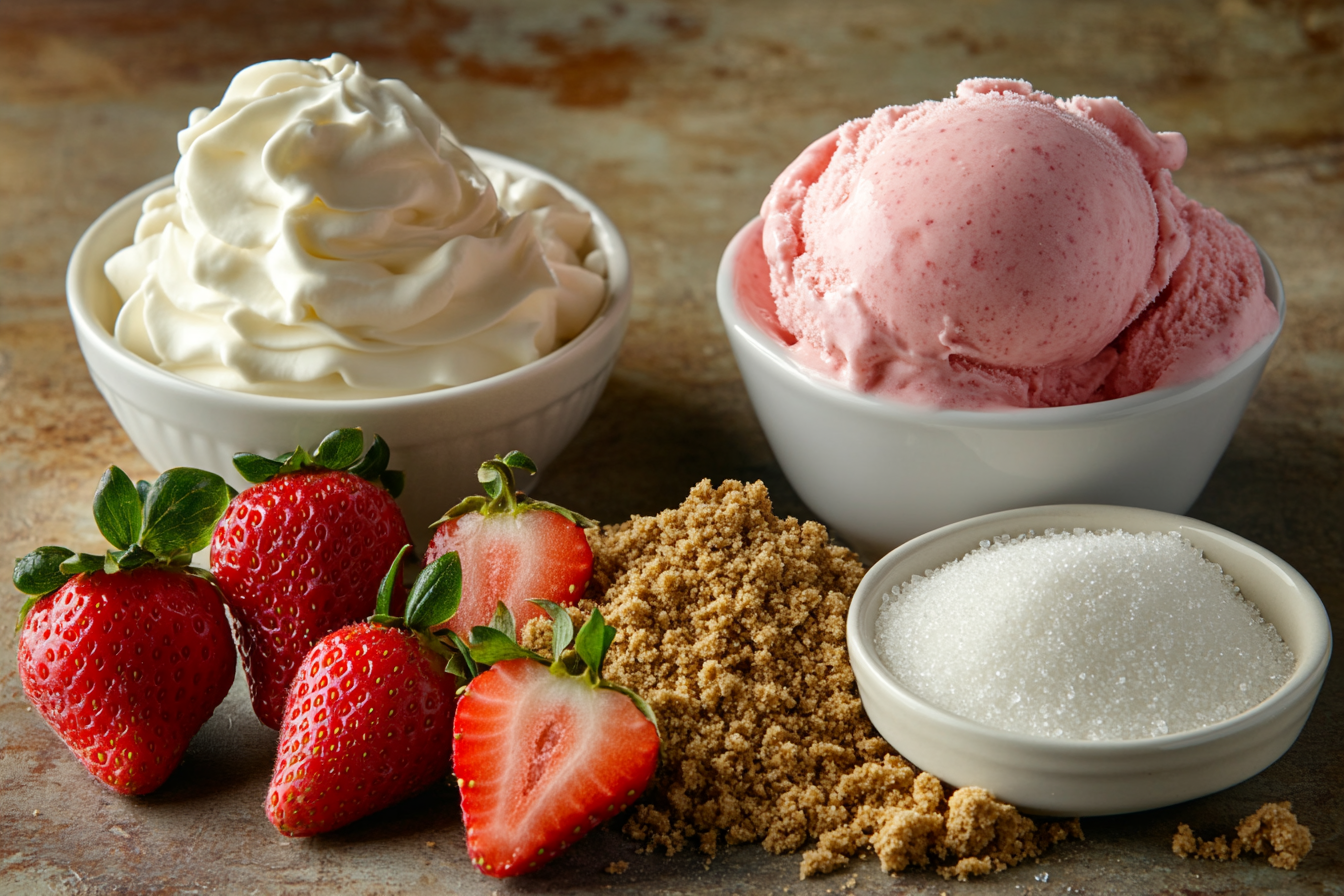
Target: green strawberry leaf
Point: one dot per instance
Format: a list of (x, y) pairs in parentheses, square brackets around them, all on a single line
[(519, 461), (464, 652), (117, 508), (592, 642), (490, 645), (577, 519), (296, 460), (39, 572), (181, 511), (394, 481), (340, 450), (255, 468), (496, 480), (436, 594), (562, 627), (375, 461), (82, 562), (473, 504), (383, 605), (25, 610), (133, 557), (502, 621), (456, 667), (452, 660)]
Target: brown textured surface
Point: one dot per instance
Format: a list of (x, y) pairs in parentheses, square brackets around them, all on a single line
[(674, 117)]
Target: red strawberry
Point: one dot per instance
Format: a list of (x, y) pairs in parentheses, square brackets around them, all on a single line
[(369, 714), (126, 655), (543, 752), (513, 548), (301, 554)]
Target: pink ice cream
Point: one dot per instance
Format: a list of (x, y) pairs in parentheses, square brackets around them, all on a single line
[(1006, 249)]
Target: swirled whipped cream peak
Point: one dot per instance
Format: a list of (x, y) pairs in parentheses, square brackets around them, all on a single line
[(326, 237)]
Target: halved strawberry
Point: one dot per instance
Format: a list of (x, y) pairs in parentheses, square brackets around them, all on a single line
[(545, 751), (513, 548)]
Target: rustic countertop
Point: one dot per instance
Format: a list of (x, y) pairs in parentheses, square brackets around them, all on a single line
[(674, 117)]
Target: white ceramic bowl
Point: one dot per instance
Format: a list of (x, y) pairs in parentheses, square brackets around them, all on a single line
[(1072, 777), (879, 472), (438, 438)]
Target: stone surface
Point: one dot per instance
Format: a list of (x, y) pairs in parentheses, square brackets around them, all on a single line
[(675, 117)]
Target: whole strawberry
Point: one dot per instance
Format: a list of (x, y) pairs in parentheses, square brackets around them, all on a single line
[(369, 718), (127, 654), (301, 553), (545, 751), (513, 548)]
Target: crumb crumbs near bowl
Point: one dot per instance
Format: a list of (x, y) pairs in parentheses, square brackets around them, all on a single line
[(1272, 830)]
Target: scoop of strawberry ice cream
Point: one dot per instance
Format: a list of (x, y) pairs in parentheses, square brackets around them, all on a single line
[(981, 251)]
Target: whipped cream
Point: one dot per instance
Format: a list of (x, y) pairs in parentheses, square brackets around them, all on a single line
[(326, 237)]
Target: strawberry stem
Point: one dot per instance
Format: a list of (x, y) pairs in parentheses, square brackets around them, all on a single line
[(502, 496), (382, 607)]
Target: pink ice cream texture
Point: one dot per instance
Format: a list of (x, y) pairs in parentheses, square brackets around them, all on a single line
[(1002, 248)]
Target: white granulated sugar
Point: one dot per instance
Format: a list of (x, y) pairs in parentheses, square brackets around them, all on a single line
[(1083, 635)]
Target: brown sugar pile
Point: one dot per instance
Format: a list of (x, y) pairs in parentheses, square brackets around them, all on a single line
[(731, 623), (1273, 830)]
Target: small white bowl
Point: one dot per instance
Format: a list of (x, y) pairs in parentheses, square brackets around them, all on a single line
[(879, 472), (437, 438), (1071, 777)]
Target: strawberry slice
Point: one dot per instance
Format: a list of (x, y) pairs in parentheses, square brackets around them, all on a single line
[(513, 548), (545, 751)]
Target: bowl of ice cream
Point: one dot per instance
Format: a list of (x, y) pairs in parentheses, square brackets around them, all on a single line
[(1119, 769), (994, 301), (327, 256)]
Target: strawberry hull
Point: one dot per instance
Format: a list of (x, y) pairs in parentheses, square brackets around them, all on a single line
[(126, 667), (368, 723)]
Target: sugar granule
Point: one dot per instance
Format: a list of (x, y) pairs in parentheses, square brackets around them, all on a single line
[(1272, 830), (731, 623), (1083, 635)]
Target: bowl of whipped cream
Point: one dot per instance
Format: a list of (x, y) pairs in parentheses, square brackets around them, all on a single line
[(327, 255)]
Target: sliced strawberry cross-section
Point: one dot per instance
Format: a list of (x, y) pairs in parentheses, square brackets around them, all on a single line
[(544, 751)]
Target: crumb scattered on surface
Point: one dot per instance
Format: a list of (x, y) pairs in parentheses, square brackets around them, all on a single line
[(1272, 830), (731, 623), (617, 868), (430, 844)]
